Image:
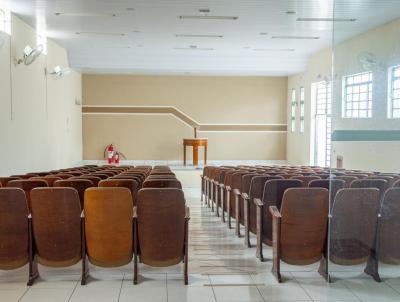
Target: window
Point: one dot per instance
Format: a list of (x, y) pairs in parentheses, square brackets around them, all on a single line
[(5, 21), (293, 111), (357, 95), (394, 92), (322, 123), (302, 111)]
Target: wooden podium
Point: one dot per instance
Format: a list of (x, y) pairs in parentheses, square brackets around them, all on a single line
[(195, 143)]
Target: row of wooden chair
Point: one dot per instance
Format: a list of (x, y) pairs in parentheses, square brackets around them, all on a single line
[(254, 196), (107, 225)]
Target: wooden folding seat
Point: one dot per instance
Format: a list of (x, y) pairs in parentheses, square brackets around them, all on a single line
[(221, 192), (347, 179), (162, 183), (108, 228), (130, 184), (390, 179), (15, 230), (139, 179), (208, 178), (333, 185), (24, 176), (300, 228), (63, 175), (358, 175), (49, 179), (100, 175), (290, 176), (107, 173), (4, 180), (380, 184), (389, 228), (236, 202), (306, 179), (38, 174), (214, 188), (161, 229), (56, 221), (162, 176), (227, 195), (272, 195), (95, 180), (27, 185), (80, 185), (249, 208), (75, 173), (353, 225)]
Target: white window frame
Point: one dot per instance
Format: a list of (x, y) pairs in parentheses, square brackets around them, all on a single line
[(326, 111), (293, 111), (391, 98), (354, 83), (302, 109)]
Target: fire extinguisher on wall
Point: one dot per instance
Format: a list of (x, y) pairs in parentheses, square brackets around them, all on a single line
[(110, 153)]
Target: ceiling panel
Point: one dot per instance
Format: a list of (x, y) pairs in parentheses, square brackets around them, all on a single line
[(122, 36)]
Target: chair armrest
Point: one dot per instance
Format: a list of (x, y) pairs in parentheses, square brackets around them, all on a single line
[(83, 214), (221, 185), (236, 191), (245, 196), (275, 212), (29, 216), (258, 202), (228, 188), (134, 212), (187, 213)]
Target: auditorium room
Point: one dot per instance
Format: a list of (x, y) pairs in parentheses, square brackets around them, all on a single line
[(199, 151)]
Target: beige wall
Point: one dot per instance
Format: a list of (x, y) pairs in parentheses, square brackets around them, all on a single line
[(383, 42), (40, 125), (207, 100)]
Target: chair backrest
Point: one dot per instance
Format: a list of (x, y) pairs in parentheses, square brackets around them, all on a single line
[(380, 184), (108, 226), (304, 225), (27, 186), (347, 179), (78, 184), (95, 180), (272, 196), (162, 183), (56, 225), (13, 228), (49, 179), (63, 175), (161, 226), (5, 180), (353, 225), (256, 191), (130, 184), (306, 179), (333, 185), (389, 227), (236, 183)]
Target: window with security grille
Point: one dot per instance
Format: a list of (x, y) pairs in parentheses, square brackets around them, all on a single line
[(357, 95), (394, 92)]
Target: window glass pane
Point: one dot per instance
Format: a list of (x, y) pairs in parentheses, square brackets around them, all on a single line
[(394, 92), (357, 94)]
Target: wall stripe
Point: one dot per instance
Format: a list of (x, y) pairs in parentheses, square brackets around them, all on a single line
[(365, 135), (183, 117)]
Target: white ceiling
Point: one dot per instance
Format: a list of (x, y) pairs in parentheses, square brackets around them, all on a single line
[(148, 44)]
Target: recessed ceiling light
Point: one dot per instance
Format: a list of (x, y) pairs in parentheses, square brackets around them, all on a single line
[(86, 14), (290, 12), (294, 38), (193, 47), (204, 10), (274, 49), (263, 34), (98, 33), (197, 36), (327, 19), (199, 17)]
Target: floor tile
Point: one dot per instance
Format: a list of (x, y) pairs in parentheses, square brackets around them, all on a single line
[(47, 295), (95, 294), (191, 294), (143, 294), (237, 293)]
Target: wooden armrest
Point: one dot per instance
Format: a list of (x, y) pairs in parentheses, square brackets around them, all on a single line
[(134, 212), (275, 212), (187, 213), (236, 191), (228, 188), (245, 196), (258, 202)]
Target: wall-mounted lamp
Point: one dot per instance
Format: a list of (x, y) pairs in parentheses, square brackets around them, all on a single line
[(59, 71), (30, 55)]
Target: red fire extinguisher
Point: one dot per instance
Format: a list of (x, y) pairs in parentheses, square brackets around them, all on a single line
[(116, 158), (110, 153)]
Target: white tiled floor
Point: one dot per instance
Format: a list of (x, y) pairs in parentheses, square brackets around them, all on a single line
[(220, 268)]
